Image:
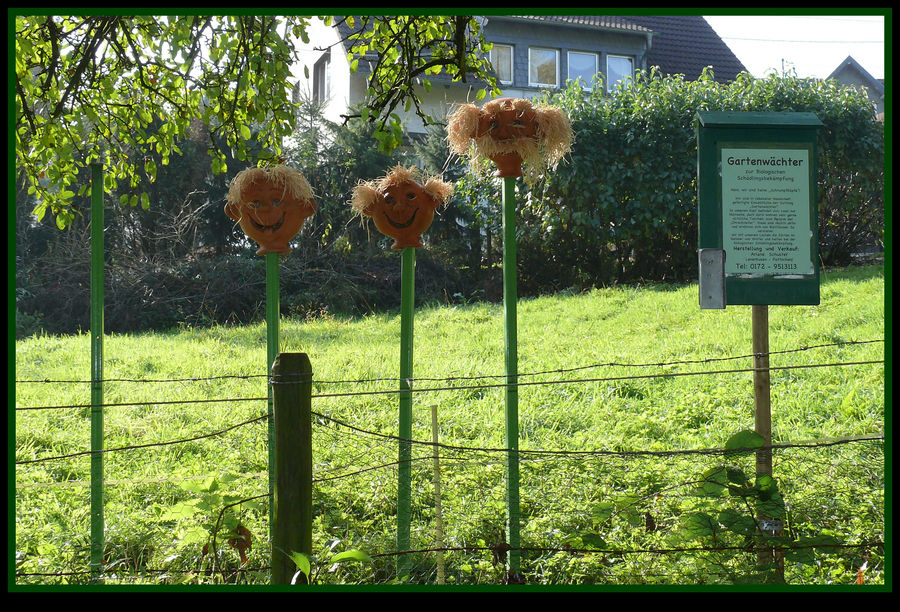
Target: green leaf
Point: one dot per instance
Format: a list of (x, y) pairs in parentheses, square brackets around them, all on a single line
[(602, 512), (303, 563), (351, 555), (744, 441), (770, 502), (712, 482), (737, 522), (700, 525), (594, 540), (245, 132), (181, 510)]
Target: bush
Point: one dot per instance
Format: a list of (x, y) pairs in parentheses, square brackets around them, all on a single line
[(623, 208), (620, 209)]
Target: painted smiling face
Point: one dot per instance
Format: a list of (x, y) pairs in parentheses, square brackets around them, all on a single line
[(400, 207), (270, 206), (511, 132)]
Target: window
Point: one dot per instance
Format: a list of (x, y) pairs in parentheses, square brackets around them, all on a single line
[(618, 68), (582, 65), (543, 67), (322, 79), (502, 61)]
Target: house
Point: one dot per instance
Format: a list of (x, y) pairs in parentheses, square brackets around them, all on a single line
[(534, 52), (851, 73)]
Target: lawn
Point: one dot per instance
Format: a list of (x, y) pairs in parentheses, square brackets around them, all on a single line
[(629, 395)]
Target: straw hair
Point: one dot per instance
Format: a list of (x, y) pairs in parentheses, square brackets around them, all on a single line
[(292, 180), (366, 191), (551, 143)]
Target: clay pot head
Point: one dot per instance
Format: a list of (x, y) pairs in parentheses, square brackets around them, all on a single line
[(401, 207), (270, 206), (511, 132)]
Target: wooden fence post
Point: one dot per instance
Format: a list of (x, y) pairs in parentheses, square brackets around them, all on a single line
[(292, 497), (763, 421)]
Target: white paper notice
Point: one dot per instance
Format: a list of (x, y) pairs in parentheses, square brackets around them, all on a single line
[(766, 228)]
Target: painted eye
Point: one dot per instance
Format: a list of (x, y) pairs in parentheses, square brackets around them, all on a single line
[(389, 199), (411, 195), (276, 203), (494, 125), (517, 123), (254, 204)]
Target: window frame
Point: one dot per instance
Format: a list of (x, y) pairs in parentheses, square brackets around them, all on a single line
[(512, 63), (609, 82), (587, 82), (322, 78), (532, 83)]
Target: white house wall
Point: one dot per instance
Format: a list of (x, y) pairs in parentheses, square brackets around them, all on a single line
[(343, 92)]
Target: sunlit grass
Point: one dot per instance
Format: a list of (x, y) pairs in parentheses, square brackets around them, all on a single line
[(600, 356)]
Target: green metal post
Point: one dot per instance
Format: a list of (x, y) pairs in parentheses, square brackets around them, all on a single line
[(512, 390), (273, 312), (97, 524), (407, 308)]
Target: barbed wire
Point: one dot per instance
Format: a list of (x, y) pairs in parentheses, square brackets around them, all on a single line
[(499, 549), (456, 377), (524, 453), (287, 380), (148, 445), (325, 478)]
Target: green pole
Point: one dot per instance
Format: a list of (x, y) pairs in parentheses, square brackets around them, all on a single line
[(512, 390), (273, 311), (97, 525), (407, 306)]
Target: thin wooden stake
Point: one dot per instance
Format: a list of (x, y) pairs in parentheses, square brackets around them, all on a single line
[(763, 422), (438, 515)]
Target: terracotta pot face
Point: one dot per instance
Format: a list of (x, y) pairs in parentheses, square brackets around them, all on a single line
[(270, 215), (403, 212), (507, 124), (512, 131)]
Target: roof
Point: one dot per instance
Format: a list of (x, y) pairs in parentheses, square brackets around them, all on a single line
[(603, 22), (850, 63), (680, 44), (686, 44)]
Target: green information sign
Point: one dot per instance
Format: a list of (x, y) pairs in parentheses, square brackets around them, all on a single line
[(757, 205), (765, 212)]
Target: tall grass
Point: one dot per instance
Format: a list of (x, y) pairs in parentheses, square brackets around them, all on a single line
[(654, 334)]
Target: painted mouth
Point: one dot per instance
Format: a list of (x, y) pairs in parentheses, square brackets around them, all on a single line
[(401, 225), (268, 228)]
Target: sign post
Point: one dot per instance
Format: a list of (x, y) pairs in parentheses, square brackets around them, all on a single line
[(758, 237)]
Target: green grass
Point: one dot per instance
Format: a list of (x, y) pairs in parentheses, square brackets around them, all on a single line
[(834, 491)]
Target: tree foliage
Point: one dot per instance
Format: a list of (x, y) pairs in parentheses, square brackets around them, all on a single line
[(116, 90), (404, 52)]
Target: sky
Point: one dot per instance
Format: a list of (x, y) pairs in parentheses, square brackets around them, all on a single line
[(813, 46)]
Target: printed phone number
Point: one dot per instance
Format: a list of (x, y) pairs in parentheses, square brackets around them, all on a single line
[(762, 266)]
